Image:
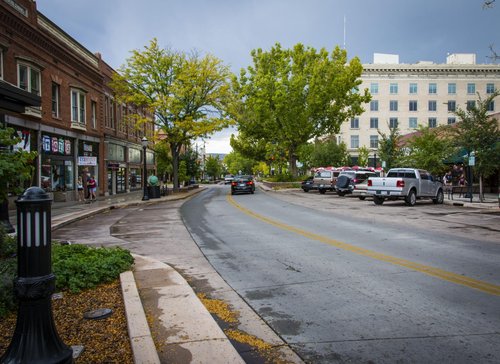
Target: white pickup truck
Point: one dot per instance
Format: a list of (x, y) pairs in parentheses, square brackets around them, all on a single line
[(405, 183)]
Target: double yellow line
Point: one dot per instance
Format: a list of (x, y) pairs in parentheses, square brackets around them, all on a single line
[(431, 271)]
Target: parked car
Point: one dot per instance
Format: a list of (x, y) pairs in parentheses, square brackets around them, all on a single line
[(354, 182), (308, 184), (243, 184), (325, 180), (228, 178), (405, 183)]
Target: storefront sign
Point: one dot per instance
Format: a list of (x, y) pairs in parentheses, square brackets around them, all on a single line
[(87, 147), (87, 161), (113, 166), (56, 145)]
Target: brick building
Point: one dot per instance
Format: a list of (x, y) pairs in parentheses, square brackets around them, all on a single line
[(79, 130)]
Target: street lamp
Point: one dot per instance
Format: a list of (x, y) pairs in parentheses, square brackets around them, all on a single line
[(375, 160), (35, 338), (144, 142)]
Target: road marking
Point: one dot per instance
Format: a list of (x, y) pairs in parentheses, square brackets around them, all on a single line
[(431, 271)]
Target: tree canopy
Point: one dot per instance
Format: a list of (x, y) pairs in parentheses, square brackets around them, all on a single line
[(189, 95), (291, 96)]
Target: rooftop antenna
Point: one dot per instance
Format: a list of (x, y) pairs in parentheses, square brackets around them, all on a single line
[(344, 31)]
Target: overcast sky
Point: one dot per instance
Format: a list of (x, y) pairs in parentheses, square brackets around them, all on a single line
[(417, 30)]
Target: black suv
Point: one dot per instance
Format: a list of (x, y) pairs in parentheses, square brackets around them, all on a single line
[(243, 184)]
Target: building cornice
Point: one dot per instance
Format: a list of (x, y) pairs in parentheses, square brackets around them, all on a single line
[(444, 69)]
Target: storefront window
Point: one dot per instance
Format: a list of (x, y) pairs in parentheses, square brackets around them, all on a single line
[(135, 178), (57, 172)]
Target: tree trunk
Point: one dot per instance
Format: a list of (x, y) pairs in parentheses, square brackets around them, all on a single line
[(481, 188), (175, 165), (292, 162)]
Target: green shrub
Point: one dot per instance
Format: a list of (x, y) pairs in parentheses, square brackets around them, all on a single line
[(76, 267), (79, 267)]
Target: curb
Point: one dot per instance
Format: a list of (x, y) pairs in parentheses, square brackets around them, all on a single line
[(141, 341)]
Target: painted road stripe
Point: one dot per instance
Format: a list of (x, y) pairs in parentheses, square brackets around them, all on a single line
[(434, 272)]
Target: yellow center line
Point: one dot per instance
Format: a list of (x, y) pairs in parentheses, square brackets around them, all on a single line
[(431, 271)]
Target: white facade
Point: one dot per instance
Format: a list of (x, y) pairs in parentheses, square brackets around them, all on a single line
[(410, 95)]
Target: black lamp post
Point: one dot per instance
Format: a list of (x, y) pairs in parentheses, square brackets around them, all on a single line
[(35, 338), (144, 142), (375, 160)]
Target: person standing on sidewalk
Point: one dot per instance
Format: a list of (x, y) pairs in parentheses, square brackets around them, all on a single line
[(79, 186), (92, 186)]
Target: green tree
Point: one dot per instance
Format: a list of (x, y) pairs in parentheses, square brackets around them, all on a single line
[(190, 96), (15, 167), (235, 162), (428, 149), (192, 164), (389, 149), (329, 153), (163, 159), (478, 132), (183, 176), (213, 167), (291, 96), (363, 154)]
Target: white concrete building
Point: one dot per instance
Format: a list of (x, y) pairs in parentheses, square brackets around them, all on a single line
[(409, 95)]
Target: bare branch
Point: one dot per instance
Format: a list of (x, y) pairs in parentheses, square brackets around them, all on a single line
[(488, 4)]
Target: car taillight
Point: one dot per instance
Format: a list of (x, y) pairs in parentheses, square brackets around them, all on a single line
[(369, 182), (355, 180), (249, 183), (233, 183), (400, 184)]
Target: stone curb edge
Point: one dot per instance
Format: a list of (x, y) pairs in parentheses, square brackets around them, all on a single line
[(141, 341)]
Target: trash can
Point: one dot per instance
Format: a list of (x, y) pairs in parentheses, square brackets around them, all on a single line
[(154, 191)]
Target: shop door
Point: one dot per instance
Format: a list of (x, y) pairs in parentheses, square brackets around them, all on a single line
[(121, 185)]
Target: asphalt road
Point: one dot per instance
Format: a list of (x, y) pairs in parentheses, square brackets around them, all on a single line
[(343, 280)]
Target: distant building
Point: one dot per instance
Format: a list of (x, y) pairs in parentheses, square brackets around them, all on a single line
[(79, 129), (409, 95)]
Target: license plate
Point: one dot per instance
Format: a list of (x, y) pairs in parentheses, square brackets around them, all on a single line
[(242, 185)]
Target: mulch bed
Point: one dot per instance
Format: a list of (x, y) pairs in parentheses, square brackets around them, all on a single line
[(104, 341)]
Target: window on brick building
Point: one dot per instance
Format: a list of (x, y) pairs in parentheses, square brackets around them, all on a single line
[(1, 64), (78, 99), (78, 106), (412, 123), (451, 120), (393, 123), (471, 88), (93, 108), (432, 88), (393, 88), (491, 106), (374, 88), (413, 105), (29, 78), (432, 105), (109, 112), (393, 105), (56, 100), (490, 88), (452, 88), (354, 141), (452, 105), (413, 88)]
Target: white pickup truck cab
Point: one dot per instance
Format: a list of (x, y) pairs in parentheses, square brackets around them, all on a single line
[(405, 183)]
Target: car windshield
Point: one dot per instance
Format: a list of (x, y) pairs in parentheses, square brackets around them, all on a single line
[(323, 174)]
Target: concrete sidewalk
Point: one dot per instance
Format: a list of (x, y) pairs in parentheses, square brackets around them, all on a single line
[(196, 337)]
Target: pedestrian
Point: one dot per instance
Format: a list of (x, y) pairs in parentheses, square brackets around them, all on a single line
[(447, 181), (79, 186), (92, 186), (461, 181)]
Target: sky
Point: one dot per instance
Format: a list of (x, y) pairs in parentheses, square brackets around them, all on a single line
[(416, 30)]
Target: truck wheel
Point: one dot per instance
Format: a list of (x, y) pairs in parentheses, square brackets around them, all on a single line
[(411, 199), (305, 190), (378, 200), (341, 193), (439, 198), (362, 198), (322, 191)]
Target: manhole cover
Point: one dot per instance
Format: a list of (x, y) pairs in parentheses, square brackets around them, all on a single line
[(98, 314)]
